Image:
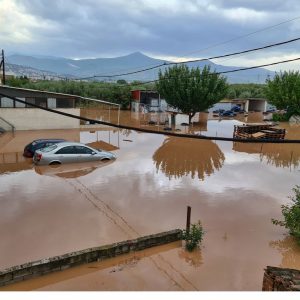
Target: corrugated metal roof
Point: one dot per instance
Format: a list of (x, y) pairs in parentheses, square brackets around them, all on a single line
[(55, 93)]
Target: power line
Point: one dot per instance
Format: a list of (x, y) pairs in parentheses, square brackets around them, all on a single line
[(242, 36), (213, 73), (193, 60), (2, 64), (200, 137), (230, 71), (215, 45), (117, 75)]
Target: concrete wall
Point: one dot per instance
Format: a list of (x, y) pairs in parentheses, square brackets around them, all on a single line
[(257, 105), (33, 118), (281, 279), (62, 262)]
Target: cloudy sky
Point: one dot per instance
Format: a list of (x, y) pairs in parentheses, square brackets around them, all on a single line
[(169, 29)]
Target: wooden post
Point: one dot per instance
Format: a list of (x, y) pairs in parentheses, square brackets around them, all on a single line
[(188, 219), (3, 68)]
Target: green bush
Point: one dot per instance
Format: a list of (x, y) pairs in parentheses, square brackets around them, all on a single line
[(193, 237), (291, 215), (280, 117)]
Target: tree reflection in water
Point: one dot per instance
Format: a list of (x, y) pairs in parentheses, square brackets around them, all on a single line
[(179, 157), (280, 155), (290, 250)]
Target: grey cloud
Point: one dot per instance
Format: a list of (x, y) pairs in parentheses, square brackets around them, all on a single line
[(109, 28)]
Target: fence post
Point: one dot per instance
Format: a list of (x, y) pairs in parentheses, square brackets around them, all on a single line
[(188, 219)]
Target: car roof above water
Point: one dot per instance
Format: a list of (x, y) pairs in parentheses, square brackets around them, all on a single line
[(47, 140), (63, 144)]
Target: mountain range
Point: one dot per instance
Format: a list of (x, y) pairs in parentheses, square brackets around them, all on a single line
[(56, 67)]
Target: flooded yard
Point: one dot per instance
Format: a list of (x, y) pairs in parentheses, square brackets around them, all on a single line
[(233, 188)]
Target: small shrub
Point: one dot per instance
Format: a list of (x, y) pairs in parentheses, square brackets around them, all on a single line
[(291, 215), (194, 237), (280, 117)]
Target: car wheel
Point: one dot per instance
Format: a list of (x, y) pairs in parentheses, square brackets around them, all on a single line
[(105, 159), (54, 163)]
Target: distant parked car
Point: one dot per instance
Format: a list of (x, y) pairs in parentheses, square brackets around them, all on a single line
[(218, 111), (39, 144), (228, 113), (271, 110), (235, 109), (70, 152)]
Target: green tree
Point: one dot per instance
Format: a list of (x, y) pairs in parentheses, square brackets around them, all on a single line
[(246, 90), (191, 90), (283, 91), (121, 81), (291, 214)]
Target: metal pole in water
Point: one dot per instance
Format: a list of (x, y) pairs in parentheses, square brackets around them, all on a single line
[(119, 114), (188, 219)]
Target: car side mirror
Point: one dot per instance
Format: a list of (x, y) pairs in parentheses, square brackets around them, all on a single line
[(93, 153)]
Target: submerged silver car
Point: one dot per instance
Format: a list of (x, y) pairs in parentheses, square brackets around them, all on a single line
[(69, 152)]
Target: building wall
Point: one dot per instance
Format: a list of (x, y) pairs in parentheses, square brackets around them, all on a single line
[(135, 95), (257, 105), (33, 118)]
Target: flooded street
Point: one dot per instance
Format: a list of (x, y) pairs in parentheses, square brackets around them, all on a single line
[(233, 188)]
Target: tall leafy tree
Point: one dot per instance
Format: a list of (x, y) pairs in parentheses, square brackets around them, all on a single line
[(191, 90), (283, 91)]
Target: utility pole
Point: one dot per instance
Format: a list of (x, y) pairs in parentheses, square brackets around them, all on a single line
[(2, 64)]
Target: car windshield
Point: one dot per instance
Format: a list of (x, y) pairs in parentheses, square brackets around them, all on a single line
[(49, 148)]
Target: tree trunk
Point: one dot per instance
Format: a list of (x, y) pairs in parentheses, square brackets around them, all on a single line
[(191, 116)]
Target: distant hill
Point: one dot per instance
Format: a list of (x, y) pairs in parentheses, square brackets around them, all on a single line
[(19, 70), (123, 64)]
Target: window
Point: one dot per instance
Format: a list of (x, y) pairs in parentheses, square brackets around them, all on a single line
[(83, 150), (41, 101), (64, 102), (66, 150), (49, 148)]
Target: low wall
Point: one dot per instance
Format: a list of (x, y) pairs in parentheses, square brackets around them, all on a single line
[(281, 279), (33, 118), (62, 262)]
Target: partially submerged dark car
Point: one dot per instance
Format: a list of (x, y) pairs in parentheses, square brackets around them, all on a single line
[(39, 144)]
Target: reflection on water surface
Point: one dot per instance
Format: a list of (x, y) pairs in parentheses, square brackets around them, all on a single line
[(179, 157), (145, 191)]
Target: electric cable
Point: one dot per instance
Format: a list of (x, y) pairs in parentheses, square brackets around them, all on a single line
[(245, 35), (192, 60), (201, 137)]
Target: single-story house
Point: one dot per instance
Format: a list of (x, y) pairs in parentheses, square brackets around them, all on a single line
[(147, 101), (248, 104), (21, 116)]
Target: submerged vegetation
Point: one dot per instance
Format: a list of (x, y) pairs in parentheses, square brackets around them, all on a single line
[(291, 215)]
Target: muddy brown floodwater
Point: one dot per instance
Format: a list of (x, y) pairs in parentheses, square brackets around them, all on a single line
[(233, 188)]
